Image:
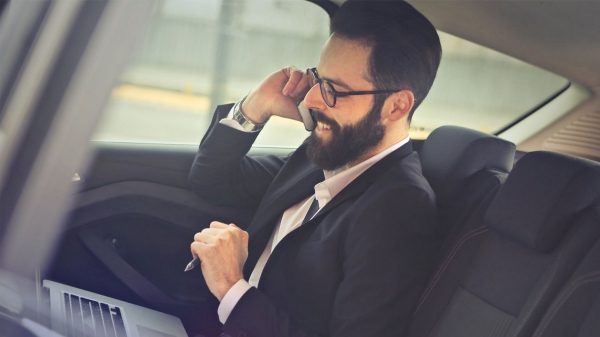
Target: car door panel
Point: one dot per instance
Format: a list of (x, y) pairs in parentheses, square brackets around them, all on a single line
[(132, 224)]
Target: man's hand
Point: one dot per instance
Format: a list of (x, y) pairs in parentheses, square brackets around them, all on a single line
[(277, 95), (223, 250)]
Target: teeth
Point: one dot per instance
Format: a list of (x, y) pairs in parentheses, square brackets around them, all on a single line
[(323, 126)]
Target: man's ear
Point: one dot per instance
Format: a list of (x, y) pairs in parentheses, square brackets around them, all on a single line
[(398, 105)]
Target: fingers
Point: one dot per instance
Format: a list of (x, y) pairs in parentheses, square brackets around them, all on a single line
[(220, 241), (297, 83), (292, 79), (216, 224), (278, 95), (197, 249), (208, 236), (206, 232), (301, 88), (219, 231)]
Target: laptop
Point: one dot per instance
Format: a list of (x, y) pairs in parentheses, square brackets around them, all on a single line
[(80, 313)]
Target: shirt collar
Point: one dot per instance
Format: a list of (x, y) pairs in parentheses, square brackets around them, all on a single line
[(336, 180)]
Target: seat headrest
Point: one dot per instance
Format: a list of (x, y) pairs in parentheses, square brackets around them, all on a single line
[(541, 198), (452, 153)]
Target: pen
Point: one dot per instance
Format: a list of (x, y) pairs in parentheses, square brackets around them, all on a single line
[(193, 264)]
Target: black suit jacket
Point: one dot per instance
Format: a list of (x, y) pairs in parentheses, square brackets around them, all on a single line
[(355, 269)]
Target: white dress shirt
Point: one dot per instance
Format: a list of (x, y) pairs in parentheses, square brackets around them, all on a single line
[(292, 218)]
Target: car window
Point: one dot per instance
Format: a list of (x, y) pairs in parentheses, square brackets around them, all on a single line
[(199, 54), (482, 89)]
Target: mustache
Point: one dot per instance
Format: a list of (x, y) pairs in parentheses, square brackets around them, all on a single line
[(318, 116)]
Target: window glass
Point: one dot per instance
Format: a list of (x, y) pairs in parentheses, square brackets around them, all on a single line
[(482, 89), (198, 54)]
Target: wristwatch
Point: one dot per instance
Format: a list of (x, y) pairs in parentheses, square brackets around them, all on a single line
[(245, 123)]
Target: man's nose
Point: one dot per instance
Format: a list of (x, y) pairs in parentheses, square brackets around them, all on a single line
[(314, 99)]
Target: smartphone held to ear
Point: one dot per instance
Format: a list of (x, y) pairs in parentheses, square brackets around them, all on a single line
[(307, 119)]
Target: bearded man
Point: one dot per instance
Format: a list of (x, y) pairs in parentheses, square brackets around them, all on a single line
[(344, 230)]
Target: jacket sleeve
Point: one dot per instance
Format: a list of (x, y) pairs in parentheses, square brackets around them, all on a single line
[(388, 254), (223, 174)]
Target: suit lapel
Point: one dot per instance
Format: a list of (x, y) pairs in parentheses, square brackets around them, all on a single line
[(362, 182), (288, 191), (299, 185)]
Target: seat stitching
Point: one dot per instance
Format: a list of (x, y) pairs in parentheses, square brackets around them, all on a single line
[(554, 270), (562, 299), (469, 235)]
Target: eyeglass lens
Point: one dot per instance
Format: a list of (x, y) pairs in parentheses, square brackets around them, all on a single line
[(327, 91)]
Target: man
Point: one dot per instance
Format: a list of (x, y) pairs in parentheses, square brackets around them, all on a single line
[(356, 266)]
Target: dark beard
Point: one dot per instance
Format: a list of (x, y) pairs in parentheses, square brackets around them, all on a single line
[(347, 143)]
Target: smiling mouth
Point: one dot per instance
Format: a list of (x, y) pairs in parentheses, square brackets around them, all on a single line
[(323, 126)]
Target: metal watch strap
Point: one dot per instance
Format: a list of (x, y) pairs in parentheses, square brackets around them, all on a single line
[(245, 123)]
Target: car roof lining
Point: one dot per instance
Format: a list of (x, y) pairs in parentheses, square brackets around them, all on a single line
[(560, 36)]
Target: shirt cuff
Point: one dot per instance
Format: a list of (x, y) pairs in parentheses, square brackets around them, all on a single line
[(232, 123), (231, 298)]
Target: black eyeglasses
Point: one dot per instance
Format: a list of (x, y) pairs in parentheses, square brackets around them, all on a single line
[(330, 95)]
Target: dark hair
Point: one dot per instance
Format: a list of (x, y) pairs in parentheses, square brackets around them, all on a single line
[(406, 48)]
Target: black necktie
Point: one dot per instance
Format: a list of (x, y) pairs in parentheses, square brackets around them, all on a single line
[(312, 210)]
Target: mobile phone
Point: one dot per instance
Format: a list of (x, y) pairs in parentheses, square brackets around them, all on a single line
[(307, 118)]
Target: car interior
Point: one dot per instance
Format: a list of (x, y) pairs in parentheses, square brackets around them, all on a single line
[(519, 203)]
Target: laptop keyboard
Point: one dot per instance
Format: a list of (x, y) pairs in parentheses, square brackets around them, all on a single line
[(90, 318)]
